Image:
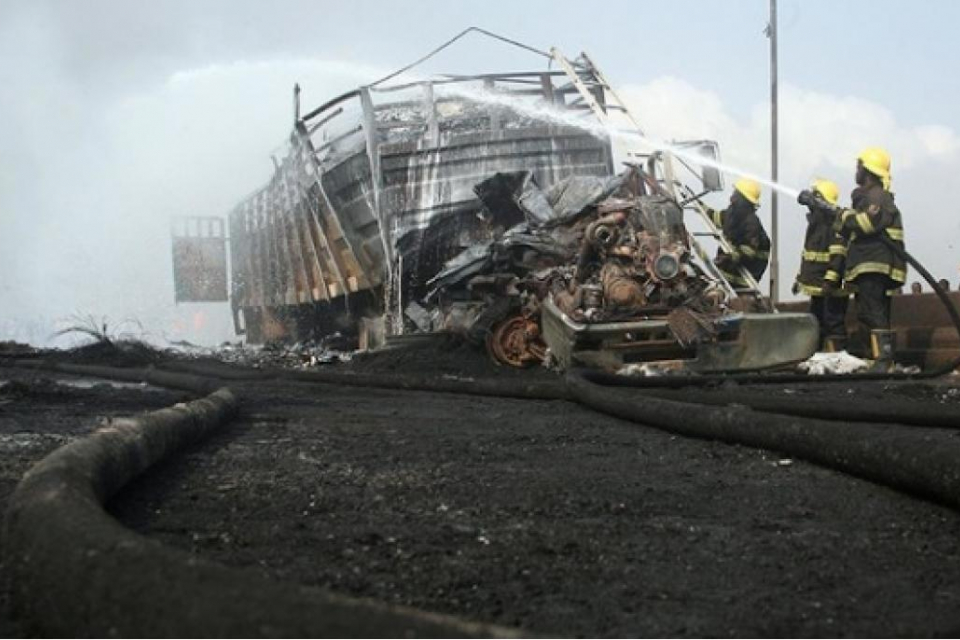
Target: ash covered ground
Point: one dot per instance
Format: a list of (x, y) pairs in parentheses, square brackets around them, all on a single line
[(536, 514)]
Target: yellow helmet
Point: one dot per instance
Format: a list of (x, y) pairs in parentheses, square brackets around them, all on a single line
[(876, 161), (829, 190), (749, 189)]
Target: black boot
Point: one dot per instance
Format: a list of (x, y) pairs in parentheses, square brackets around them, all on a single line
[(835, 344), (882, 346)]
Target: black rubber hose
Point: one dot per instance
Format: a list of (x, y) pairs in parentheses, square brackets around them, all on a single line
[(923, 415), (182, 381), (79, 572), (920, 414), (500, 388), (916, 460)]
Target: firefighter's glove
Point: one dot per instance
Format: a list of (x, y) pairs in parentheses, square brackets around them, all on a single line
[(821, 204), (795, 289), (815, 201)]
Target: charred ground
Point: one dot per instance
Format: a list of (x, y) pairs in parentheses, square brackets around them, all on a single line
[(537, 514)]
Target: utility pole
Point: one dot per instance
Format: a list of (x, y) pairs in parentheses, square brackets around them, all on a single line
[(296, 104), (774, 160)]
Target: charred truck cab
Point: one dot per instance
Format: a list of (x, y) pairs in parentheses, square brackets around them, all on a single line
[(482, 205)]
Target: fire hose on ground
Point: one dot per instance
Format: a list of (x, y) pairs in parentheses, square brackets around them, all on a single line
[(79, 573)]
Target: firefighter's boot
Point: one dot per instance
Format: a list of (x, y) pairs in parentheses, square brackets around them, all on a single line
[(882, 345), (835, 344)]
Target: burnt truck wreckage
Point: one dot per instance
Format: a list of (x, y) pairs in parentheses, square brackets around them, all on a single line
[(601, 273), (466, 204)]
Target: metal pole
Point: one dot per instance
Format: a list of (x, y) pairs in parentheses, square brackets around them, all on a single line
[(296, 103), (774, 223)]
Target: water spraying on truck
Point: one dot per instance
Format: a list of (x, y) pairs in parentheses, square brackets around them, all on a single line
[(548, 114), (491, 207)]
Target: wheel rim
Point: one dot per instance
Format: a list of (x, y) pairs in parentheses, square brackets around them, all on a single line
[(516, 342)]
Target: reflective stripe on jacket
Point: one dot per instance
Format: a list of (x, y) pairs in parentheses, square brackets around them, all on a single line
[(821, 246), (874, 212), (748, 240)]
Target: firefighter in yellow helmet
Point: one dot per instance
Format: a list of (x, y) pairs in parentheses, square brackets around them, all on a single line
[(744, 233), (821, 246), (870, 267)]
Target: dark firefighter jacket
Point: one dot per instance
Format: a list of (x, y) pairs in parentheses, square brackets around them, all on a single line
[(748, 240), (873, 213), (822, 247)]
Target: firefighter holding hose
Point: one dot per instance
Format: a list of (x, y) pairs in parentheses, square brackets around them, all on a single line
[(743, 231), (871, 268), (822, 245)]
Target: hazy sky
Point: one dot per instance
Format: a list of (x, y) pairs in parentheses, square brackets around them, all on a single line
[(116, 115)]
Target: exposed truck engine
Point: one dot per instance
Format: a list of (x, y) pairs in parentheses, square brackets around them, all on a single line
[(601, 273)]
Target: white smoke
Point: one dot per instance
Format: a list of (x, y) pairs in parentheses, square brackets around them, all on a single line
[(89, 189)]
